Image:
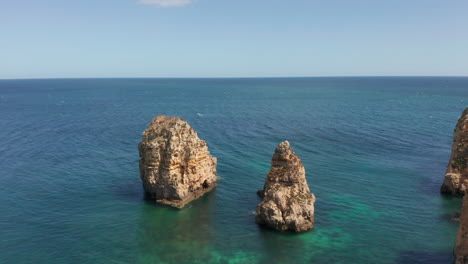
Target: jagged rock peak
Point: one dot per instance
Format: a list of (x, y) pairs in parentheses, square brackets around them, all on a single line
[(456, 176), (175, 166), (287, 202)]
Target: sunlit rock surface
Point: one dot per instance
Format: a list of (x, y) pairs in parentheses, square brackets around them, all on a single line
[(175, 166), (287, 202)]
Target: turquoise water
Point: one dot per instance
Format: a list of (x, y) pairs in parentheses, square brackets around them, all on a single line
[(375, 151)]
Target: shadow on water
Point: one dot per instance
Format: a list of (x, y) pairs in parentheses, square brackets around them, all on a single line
[(450, 217), (412, 257), (130, 191), (283, 247), (169, 235), (449, 208)]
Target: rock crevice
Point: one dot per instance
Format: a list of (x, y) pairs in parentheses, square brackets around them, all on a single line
[(175, 164)]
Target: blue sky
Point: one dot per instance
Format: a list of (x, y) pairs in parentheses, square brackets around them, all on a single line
[(232, 38)]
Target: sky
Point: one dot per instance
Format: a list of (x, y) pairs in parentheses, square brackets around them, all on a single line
[(232, 38)]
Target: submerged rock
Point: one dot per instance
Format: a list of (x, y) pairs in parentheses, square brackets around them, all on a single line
[(287, 202), (175, 166), (456, 176), (461, 246)]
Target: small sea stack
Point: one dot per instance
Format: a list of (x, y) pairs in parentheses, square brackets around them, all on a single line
[(461, 246), (456, 176), (175, 166), (287, 202)]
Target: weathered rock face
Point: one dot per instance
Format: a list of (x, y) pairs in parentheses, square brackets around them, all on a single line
[(456, 176), (461, 247), (287, 202), (175, 166)]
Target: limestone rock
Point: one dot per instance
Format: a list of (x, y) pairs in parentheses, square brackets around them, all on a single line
[(175, 166), (287, 202), (456, 177), (461, 246)]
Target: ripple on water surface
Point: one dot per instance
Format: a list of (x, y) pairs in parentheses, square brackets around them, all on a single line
[(375, 151)]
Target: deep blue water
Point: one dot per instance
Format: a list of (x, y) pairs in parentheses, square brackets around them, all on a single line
[(375, 152)]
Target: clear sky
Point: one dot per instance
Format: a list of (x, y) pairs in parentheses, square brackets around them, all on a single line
[(232, 38)]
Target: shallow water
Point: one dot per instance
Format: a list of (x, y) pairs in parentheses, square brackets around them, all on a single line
[(375, 151)]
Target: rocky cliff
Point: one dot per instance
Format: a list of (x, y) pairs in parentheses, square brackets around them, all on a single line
[(287, 202), (175, 166), (461, 247), (456, 176)]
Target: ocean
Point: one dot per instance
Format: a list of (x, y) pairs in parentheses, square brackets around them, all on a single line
[(375, 151)]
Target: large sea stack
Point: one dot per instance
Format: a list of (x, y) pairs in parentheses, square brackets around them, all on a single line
[(287, 202), (175, 166), (456, 176), (461, 247)]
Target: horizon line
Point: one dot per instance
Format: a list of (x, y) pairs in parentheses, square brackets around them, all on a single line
[(258, 77)]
